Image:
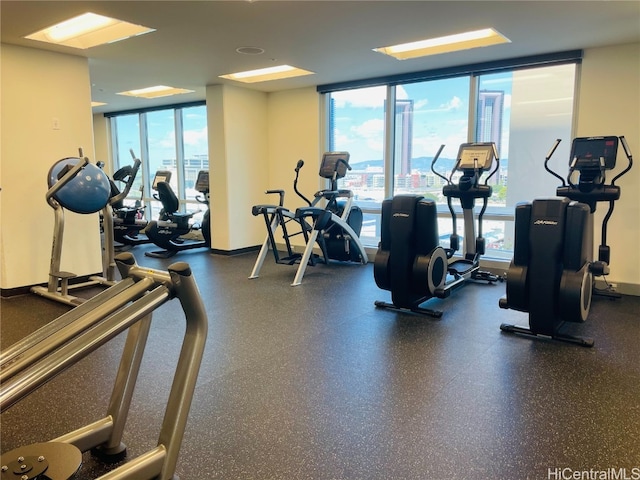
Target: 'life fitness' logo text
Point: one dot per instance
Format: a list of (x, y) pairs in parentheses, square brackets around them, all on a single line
[(545, 222)]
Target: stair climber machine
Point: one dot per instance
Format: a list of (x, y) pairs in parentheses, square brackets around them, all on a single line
[(331, 221), (81, 187), (409, 262), (170, 230), (552, 270), (128, 221)]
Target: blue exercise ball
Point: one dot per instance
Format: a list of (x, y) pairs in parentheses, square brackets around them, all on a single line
[(87, 192)]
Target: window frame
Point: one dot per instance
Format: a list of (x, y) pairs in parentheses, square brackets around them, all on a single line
[(143, 155), (473, 72)]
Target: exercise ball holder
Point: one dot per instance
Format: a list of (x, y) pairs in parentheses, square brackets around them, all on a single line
[(77, 185)]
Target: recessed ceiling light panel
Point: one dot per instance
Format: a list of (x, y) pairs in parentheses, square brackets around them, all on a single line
[(155, 92), (88, 30), (265, 74), (446, 44)]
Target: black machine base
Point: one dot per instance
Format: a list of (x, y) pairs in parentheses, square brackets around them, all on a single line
[(176, 247), (48, 460), (418, 310), (606, 292), (583, 342)]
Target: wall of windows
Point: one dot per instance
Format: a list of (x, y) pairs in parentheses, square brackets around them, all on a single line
[(173, 139), (523, 111)]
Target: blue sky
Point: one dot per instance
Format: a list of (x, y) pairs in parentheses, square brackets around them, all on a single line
[(440, 115), (161, 134)]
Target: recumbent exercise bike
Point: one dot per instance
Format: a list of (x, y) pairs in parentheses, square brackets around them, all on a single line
[(168, 232), (551, 274), (330, 220), (410, 263)]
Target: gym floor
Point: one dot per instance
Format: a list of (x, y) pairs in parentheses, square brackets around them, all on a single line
[(314, 382)]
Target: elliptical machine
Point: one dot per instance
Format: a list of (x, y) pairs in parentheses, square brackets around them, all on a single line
[(591, 157), (551, 274), (330, 220), (410, 262), (167, 232)]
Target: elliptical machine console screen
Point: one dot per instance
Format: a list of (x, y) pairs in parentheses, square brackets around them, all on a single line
[(587, 152), (476, 155), (331, 163)]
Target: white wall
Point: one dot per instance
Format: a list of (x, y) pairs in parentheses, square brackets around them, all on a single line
[(238, 164), (609, 104), (255, 141), (294, 134), (102, 141), (37, 88)]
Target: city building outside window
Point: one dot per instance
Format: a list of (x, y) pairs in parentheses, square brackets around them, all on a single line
[(523, 111)]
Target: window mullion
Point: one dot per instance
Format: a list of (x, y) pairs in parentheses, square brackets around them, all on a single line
[(147, 177), (115, 151), (180, 155), (472, 131), (389, 141)]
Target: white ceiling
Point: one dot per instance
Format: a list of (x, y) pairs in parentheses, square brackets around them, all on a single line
[(196, 41)]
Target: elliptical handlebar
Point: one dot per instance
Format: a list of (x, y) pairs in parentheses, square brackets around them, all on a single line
[(627, 152), (299, 165), (548, 157), (433, 162), (280, 196), (334, 176), (343, 161), (497, 158)]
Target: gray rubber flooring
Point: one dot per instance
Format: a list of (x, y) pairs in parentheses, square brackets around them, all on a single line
[(314, 382)]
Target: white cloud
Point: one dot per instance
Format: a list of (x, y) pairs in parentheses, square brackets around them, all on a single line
[(168, 141), (454, 104), (195, 137), (361, 97), (420, 104), (372, 131), (370, 128)]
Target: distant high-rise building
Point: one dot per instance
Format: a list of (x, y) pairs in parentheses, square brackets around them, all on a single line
[(489, 126), (404, 134)]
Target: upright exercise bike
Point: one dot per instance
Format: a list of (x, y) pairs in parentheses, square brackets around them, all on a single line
[(331, 221), (168, 232), (409, 262), (551, 274)]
